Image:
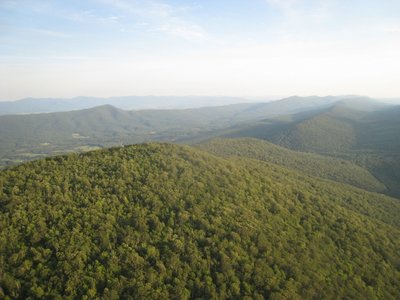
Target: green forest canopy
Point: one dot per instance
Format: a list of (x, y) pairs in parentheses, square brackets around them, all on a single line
[(166, 221), (309, 163)]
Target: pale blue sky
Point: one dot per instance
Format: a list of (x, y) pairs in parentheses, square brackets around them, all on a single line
[(240, 48)]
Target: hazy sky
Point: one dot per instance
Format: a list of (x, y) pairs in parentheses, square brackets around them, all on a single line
[(205, 47)]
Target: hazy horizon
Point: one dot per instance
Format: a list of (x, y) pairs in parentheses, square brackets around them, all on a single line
[(104, 48), (235, 99)]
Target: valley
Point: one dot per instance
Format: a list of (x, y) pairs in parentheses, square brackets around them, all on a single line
[(359, 130)]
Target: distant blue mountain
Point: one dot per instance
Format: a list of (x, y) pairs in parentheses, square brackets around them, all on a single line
[(47, 105)]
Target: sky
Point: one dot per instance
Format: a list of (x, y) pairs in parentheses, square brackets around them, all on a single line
[(253, 48)]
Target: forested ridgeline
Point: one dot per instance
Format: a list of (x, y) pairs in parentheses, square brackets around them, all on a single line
[(361, 132), (158, 221), (339, 170)]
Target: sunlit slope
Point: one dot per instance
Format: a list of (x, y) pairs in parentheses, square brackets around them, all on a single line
[(313, 164), (356, 124), (164, 221), (26, 137), (370, 138)]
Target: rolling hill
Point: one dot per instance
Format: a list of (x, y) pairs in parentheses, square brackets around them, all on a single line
[(47, 105), (24, 137), (344, 126), (366, 133), (356, 129), (309, 163), (168, 221)]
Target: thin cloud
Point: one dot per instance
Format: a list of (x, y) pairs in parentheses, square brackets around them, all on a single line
[(82, 16), (293, 9), (88, 16), (48, 33), (188, 32), (284, 4), (161, 17)]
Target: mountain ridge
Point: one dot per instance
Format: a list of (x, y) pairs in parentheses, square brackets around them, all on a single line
[(367, 138), (23, 136), (169, 221), (312, 164), (40, 105)]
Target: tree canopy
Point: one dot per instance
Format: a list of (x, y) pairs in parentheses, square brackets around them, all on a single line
[(159, 221)]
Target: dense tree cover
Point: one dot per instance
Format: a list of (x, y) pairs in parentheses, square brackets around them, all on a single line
[(365, 133), (347, 125), (313, 164), (29, 136), (162, 221)]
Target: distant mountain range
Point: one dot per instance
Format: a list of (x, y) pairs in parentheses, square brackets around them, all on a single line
[(29, 135), (356, 123), (358, 129), (47, 105)]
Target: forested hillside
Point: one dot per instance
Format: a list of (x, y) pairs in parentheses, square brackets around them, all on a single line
[(164, 221), (26, 137), (347, 125), (313, 164), (365, 133)]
